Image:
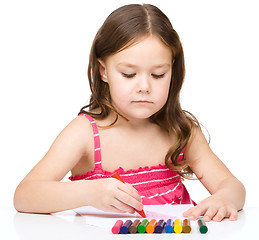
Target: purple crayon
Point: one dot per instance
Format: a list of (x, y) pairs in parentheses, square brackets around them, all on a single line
[(160, 226), (125, 227)]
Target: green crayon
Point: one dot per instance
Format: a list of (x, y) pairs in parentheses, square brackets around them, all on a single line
[(142, 226), (202, 226)]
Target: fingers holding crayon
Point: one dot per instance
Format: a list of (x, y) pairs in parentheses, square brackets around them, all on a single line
[(129, 196), (118, 177), (133, 192), (111, 195)]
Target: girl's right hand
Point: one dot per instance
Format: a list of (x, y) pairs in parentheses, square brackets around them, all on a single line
[(111, 195)]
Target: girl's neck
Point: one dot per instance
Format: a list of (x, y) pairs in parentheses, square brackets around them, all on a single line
[(134, 123), (129, 123)]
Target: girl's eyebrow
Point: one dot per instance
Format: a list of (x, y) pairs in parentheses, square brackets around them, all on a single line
[(127, 65), (135, 66)]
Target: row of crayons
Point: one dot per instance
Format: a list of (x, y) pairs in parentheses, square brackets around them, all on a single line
[(170, 226)]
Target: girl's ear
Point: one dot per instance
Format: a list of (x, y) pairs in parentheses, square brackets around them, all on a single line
[(102, 70)]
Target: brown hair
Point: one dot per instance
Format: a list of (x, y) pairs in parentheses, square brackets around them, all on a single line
[(122, 27)]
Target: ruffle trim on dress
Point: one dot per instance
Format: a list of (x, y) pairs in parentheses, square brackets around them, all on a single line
[(120, 170)]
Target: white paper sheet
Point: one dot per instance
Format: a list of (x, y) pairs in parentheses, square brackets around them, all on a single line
[(102, 219)]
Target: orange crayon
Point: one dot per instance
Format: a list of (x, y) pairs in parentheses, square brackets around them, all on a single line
[(151, 226), (118, 177)]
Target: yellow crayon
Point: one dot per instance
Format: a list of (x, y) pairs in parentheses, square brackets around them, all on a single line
[(178, 226)]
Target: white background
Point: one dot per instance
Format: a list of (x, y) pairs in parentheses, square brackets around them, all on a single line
[(44, 48)]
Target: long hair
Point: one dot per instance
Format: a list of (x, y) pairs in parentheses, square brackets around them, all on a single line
[(120, 30)]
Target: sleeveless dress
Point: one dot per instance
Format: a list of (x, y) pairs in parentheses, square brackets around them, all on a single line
[(156, 185)]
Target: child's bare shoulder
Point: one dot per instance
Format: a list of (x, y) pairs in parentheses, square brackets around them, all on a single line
[(75, 137), (79, 128)]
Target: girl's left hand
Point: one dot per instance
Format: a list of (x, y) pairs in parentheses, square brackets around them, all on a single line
[(212, 208)]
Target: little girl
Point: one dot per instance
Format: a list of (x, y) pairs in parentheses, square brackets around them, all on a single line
[(133, 125)]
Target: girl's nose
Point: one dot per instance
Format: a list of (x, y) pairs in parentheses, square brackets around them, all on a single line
[(143, 85)]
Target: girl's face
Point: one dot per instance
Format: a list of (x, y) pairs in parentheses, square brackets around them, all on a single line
[(139, 78)]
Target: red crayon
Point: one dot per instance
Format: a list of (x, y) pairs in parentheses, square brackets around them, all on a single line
[(116, 227), (118, 177)]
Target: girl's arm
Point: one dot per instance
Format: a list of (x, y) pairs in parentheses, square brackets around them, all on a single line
[(227, 192), (42, 192)]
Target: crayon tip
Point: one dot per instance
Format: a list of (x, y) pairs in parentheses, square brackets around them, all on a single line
[(142, 213)]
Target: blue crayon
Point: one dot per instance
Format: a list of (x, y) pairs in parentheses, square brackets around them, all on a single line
[(125, 227), (160, 226), (168, 227)]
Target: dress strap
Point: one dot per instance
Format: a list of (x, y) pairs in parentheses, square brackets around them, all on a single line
[(97, 143), (180, 158)]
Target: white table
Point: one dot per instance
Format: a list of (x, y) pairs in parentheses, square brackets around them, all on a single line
[(69, 225)]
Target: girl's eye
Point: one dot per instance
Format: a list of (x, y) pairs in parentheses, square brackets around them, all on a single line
[(131, 75), (158, 76)]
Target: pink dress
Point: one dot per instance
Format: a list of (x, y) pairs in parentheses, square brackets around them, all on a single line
[(156, 185)]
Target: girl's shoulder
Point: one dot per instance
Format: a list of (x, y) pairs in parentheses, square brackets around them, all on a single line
[(79, 131), (72, 143), (80, 125), (197, 142)]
